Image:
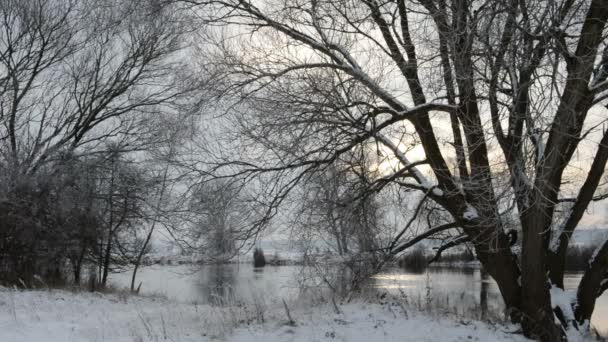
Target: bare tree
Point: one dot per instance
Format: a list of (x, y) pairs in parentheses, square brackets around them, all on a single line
[(120, 194), (220, 210), (161, 206), (334, 207), (75, 78), (157, 212), (504, 89), (76, 73)]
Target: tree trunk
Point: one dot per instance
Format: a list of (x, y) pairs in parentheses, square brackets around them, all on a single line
[(140, 256), (78, 266), (483, 294), (497, 259), (149, 236), (106, 257), (538, 320), (557, 257), (556, 264), (106, 262), (134, 275), (592, 285)]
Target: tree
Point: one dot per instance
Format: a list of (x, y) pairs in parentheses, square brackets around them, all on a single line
[(48, 220), (336, 209), (120, 191), (76, 77), (155, 219), (333, 206), (160, 209), (504, 89), (220, 210), (73, 74)]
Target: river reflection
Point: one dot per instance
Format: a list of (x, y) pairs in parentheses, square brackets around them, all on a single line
[(466, 292), (219, 284)]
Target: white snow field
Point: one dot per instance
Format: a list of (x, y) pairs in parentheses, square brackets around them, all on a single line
[(64, 316)]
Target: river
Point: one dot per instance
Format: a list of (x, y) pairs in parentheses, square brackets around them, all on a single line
[(466, 292)]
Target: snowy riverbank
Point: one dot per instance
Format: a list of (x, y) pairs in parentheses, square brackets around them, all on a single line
[(55, 315)]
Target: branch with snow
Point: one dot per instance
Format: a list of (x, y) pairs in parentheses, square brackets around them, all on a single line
[(470, 213)]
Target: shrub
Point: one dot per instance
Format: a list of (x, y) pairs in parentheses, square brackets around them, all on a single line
[(258, 258)]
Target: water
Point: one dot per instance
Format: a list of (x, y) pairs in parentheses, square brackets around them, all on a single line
[(466, 292)]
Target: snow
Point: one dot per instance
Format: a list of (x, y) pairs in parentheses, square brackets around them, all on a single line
[(470, 213), (436, 191), (55, 315), (404, 160), (357, 72), (558, 231), (360, 323), (555, 235), (596, 252), (540, 145), (406, 163), (563, 300)]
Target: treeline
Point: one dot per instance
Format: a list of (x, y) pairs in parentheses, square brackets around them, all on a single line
[(577, 258), (418, 259)]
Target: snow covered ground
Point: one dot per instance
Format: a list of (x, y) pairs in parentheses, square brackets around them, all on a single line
[(58, 316)]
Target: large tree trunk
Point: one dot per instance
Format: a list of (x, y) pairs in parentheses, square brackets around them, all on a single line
[(537, 314), (494, 252), (592, 285)]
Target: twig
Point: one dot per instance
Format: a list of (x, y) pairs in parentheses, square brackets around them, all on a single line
[(290, 320)]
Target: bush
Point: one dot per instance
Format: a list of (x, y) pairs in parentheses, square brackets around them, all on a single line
[(258, 258)]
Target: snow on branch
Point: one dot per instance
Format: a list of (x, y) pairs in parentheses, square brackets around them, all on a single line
[(420, 178), (470, 213)]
